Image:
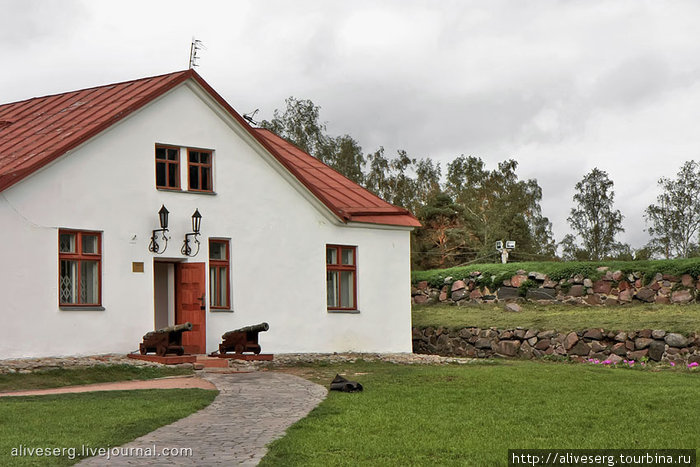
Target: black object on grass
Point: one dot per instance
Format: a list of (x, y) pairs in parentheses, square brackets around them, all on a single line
[(341, 384)]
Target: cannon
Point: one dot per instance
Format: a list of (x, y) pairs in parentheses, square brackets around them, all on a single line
[(242, 340), (164, 341)]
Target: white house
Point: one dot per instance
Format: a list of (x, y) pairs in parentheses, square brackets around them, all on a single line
[(283, 238)]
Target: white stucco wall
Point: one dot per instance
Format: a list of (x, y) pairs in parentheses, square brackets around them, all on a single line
[(278, 235)]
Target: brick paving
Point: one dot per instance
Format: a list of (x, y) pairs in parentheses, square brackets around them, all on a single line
[(251, 410)]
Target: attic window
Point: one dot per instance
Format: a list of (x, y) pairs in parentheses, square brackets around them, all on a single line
[(167, 167)]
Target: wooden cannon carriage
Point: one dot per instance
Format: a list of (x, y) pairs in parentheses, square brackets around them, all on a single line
[(164, 341), (241, 340)]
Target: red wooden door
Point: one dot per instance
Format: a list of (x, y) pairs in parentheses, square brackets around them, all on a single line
[(190, 304)]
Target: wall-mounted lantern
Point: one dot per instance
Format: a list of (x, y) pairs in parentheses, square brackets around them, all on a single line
[(163, 218), (196, 223)]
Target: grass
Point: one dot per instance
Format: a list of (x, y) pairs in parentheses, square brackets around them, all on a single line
[(671, 318), (97, 419), (560, 270), (89, 375), (472, 414)]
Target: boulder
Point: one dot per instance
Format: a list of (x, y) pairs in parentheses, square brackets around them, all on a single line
[(681, 296), (602, 286), (443, 296), (576, 291), (458, 285), (581, 348), (646, 294), (570, 340), (687, 280), (541, 294), (587, 283), (676, 340), (483, 343), (422, 285), (519, 333), (644, 333), (656, 350), (625, 296), (420, 299), (546, 334), (508, 348), (619, 349), (637, 354), (577, 279), (543, 344), (642, 343), (621, 337), (475, 294), (531, 333), (518, 280), (658, 333), (596, 334), (513, 307), (507, 292), (617, 275), (460, 295)]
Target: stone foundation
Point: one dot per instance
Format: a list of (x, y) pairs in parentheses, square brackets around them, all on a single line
[(655, 345)]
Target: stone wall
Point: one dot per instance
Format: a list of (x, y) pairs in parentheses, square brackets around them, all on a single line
[(612, 288), (615, 346)]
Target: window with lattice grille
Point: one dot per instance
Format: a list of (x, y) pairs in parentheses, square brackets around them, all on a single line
[(80, 267)]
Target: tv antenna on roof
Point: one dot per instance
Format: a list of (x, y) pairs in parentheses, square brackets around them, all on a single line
[(195, 47), (250, 117)]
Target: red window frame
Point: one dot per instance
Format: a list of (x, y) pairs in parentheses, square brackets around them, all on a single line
[(215, 266), (199, 168), (80, 257), (339, 267), (167, 163)]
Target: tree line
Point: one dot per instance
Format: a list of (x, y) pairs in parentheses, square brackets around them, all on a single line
[(464, 214)]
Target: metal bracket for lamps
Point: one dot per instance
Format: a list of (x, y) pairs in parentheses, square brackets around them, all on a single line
[(196, 223), (155, 247)]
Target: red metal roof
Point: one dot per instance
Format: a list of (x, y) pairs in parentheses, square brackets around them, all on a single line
[(36, 131), (348, 199)]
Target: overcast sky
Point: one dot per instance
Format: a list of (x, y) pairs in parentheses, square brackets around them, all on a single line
[(560, 86)]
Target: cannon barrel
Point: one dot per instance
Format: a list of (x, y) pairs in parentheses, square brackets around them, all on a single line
[(177, 328), (255, 328)]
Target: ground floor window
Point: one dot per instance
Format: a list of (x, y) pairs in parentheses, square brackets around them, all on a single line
[(80, 266), (219, 267), (341, 277)]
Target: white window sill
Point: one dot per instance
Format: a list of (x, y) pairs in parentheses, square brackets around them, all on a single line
[(81, 308), (195, 192), (220, 310), (351, 312)]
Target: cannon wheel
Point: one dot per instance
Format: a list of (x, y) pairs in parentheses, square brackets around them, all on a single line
[(239, 348), (257, 350)]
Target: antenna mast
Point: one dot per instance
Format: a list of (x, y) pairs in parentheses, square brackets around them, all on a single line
[(195, 46)]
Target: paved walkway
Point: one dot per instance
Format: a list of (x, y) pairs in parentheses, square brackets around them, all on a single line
[(251, 410)]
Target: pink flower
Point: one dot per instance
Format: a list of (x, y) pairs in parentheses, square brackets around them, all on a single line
[(607, 362), (673, 363), (692, 365)]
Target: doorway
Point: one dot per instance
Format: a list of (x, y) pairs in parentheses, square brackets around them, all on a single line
[(179, 297)]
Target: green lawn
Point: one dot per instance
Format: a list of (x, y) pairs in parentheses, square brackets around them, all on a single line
[(672, 318), (97, 374), (97, 419), (472, 414)]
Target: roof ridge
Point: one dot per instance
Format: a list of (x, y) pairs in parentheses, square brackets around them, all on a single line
[(94, 87)]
